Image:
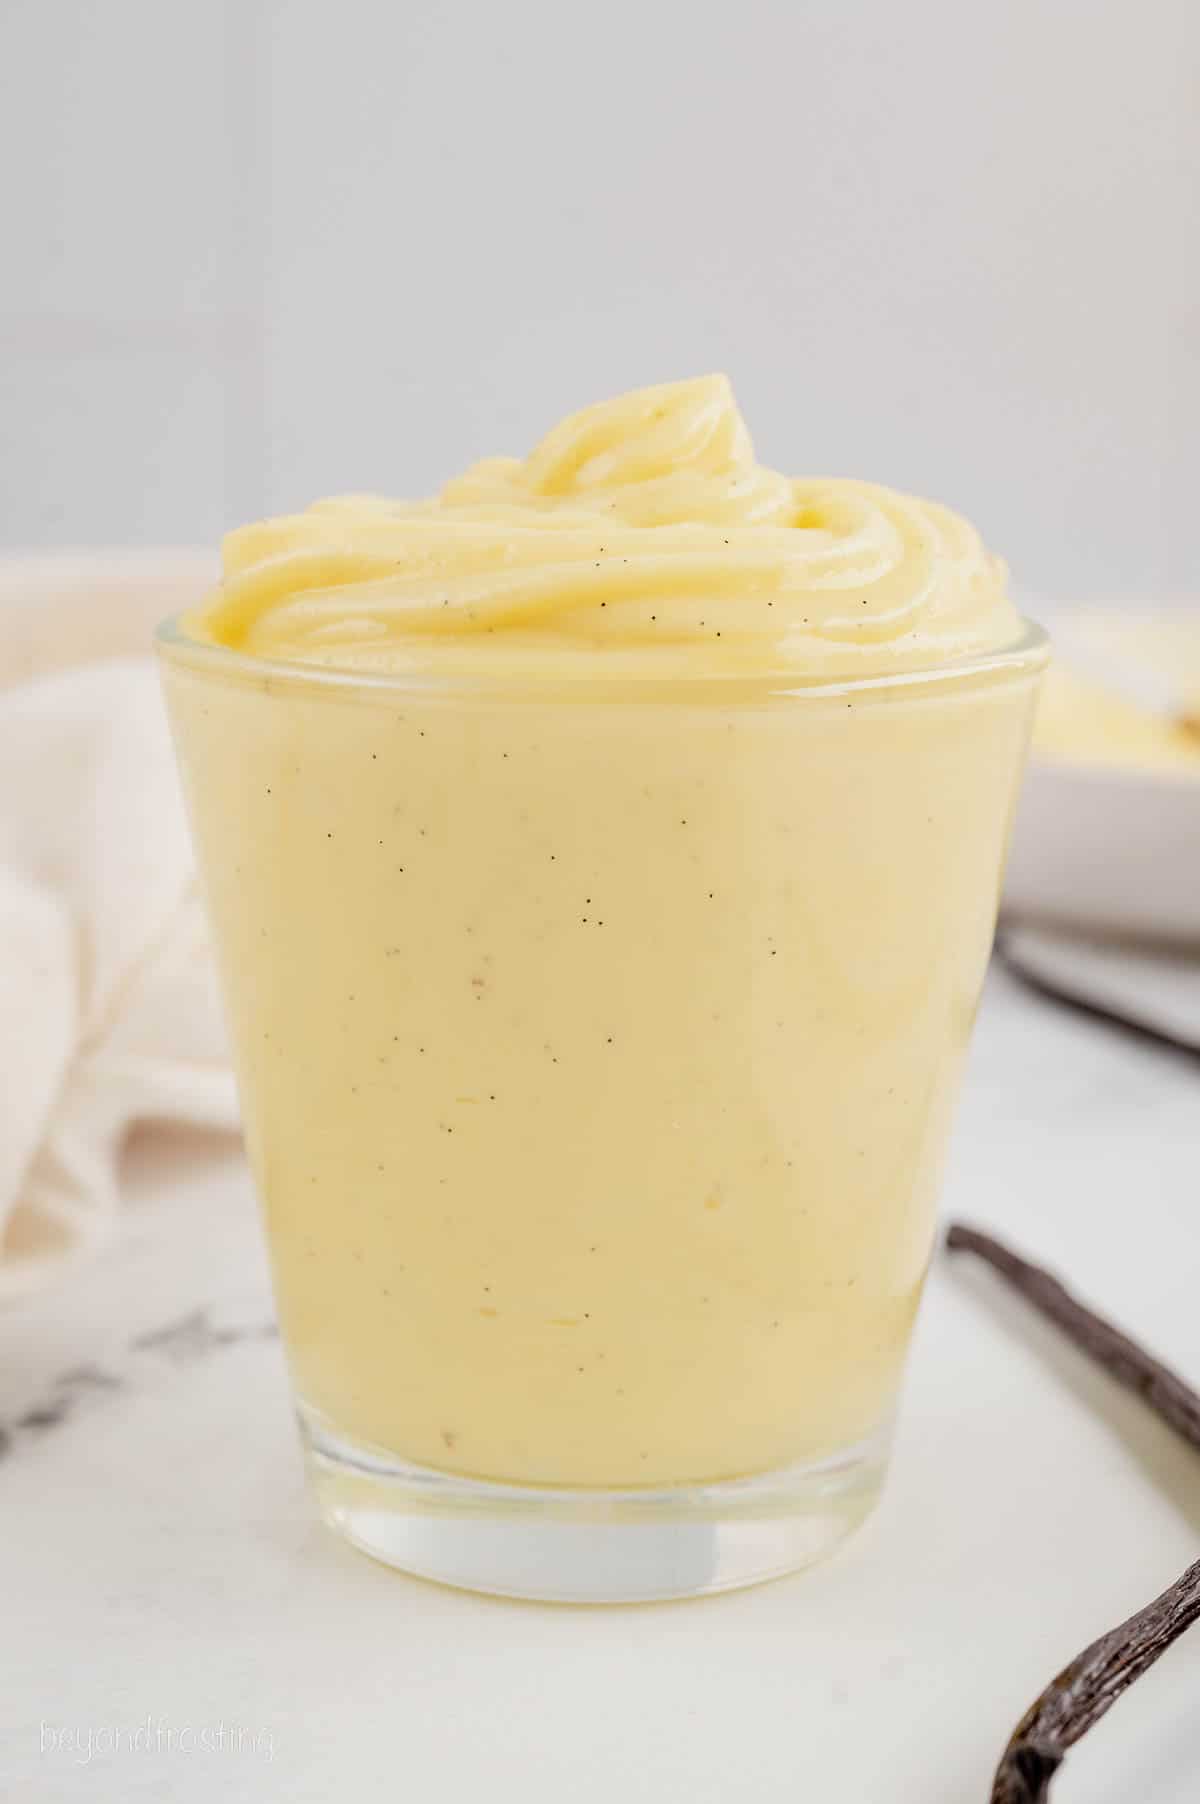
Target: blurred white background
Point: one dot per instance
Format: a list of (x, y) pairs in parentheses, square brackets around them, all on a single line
[(260, 249)]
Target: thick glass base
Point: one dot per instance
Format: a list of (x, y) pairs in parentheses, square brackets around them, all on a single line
[(591, 1546)]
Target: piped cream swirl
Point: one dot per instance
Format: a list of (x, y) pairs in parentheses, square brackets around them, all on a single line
[(640, 532)]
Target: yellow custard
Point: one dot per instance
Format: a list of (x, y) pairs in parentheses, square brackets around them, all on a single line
[(641, 530), (603, 859), (1083, 720)]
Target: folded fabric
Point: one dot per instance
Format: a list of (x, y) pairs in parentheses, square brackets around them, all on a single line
[(108, 1015)]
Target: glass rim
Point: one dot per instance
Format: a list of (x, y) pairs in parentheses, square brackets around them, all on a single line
[(1026, 655)]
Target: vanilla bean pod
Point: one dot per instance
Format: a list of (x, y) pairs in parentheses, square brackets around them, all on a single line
[(1038, 984), (1086, 1689), (1122, 1358)]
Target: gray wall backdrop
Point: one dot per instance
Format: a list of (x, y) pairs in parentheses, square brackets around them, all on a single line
[(255, 250)]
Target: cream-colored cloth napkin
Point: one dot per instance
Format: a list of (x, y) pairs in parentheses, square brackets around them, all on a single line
[(108, 1015)]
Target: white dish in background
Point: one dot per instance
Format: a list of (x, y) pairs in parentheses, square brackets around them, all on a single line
[(1107, 835), (1109, 849)]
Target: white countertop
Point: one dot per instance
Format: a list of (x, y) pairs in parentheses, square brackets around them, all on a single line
[(161, 1570)]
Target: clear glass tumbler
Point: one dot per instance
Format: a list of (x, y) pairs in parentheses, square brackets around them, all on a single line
[(597, 1045)]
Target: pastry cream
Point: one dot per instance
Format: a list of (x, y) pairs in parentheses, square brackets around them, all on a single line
[(597, 1039), (1082, 719), (642, 529)]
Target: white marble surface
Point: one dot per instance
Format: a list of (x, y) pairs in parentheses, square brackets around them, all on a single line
[(161, 1571)]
